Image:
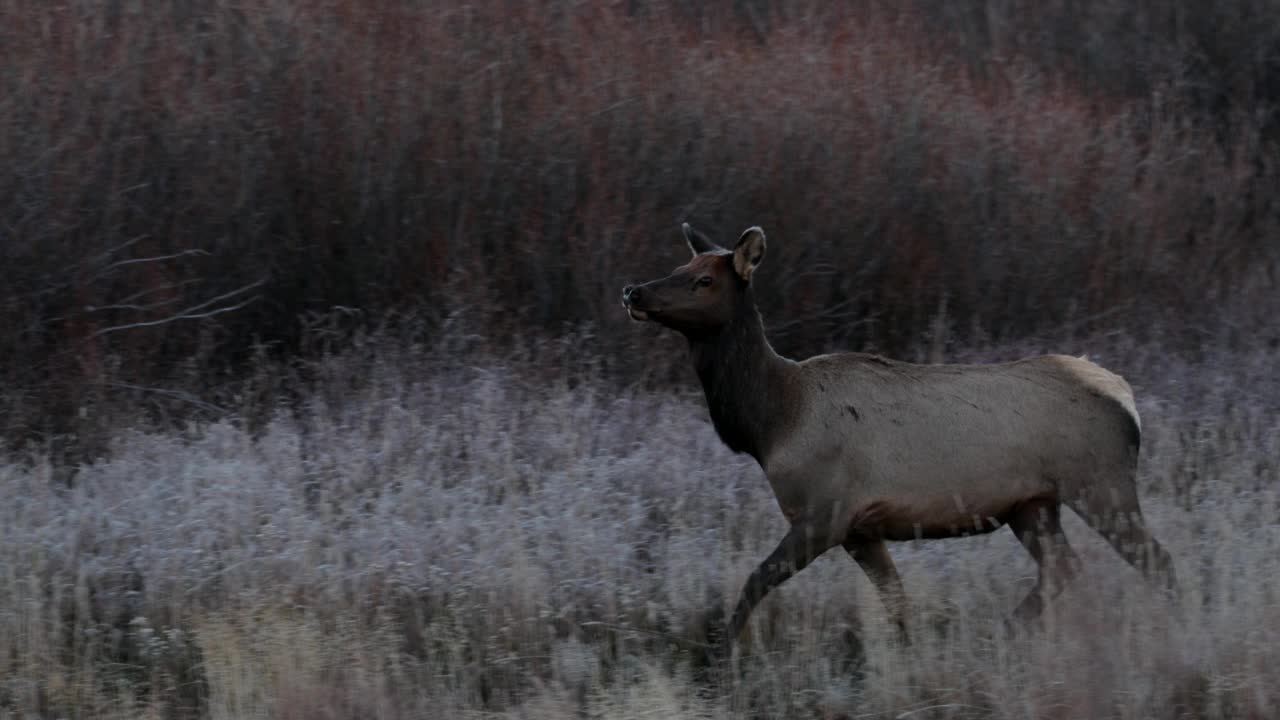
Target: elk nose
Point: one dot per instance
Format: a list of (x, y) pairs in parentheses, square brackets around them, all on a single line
[(631, 293)]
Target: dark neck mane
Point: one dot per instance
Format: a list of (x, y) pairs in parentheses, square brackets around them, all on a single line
[(740, 375)]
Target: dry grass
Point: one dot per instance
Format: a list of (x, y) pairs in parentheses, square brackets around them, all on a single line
[(223, 516), (425, 537)]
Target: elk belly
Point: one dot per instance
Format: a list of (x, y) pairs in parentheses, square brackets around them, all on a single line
[(926, 519)]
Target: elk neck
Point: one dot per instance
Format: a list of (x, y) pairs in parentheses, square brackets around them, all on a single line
[(744, 381)]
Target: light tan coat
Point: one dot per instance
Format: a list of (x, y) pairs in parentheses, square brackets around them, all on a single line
[(897, 451), (859, 449)]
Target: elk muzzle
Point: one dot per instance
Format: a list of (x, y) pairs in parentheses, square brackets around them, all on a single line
[(631, 296)]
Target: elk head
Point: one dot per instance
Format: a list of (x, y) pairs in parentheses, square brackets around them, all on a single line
[(703, 296)]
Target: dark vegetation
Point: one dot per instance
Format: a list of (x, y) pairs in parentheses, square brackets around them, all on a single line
[(187, 187)]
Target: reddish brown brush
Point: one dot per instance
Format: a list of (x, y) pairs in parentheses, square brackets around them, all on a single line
[(499, 159)]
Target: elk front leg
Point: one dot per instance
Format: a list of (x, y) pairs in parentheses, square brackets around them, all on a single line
[(800, 547), (874, 559)]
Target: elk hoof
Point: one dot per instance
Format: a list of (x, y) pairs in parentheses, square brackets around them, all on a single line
[(717, 646)]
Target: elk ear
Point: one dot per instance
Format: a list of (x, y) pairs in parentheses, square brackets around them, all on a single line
[(698, 242), (748, 253)]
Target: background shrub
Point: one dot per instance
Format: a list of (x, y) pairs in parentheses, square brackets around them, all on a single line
[(997, 172)]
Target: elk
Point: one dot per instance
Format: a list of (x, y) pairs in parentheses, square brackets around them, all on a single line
[(860, 450)]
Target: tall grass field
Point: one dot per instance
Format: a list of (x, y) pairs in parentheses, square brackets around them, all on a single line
[(423, 537), (317, 401)]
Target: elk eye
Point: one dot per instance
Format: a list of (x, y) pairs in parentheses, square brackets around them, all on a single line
[(704, 281)]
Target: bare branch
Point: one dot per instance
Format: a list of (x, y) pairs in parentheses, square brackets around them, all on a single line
[(173, 318), (195, 312), (72, 271), (106, 255), (154, 258), (128, 302), (130, 306), (226, 296), (175, 394)]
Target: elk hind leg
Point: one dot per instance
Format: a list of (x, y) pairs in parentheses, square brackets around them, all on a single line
[(1038, 527), (1115, 513)]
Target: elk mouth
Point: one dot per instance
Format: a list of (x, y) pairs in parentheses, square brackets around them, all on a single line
[(631, 299), (635, 312)]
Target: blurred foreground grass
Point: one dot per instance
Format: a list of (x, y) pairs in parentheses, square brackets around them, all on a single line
[(426, 537)]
